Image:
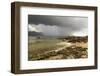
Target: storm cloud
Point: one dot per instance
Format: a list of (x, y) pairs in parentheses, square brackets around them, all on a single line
[(58, 25)]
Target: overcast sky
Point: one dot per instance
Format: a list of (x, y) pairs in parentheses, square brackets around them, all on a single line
[(58, 25)]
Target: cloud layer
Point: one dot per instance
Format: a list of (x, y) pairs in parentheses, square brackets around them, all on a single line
[(58, 25)]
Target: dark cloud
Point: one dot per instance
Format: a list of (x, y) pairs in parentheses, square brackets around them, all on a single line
[(64, 25), (40, 19)]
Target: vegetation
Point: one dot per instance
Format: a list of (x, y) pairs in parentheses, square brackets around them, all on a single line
[(41, 46), (45, 49)]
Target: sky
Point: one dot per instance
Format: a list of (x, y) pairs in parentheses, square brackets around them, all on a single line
[(58, 25)]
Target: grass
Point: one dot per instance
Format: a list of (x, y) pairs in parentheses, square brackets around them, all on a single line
[(43, 49), (40, 46)]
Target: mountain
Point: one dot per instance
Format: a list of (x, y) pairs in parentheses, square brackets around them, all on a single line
[(33, 33)]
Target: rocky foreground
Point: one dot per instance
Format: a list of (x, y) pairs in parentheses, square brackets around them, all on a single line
[(73, 48), (73, 51)]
